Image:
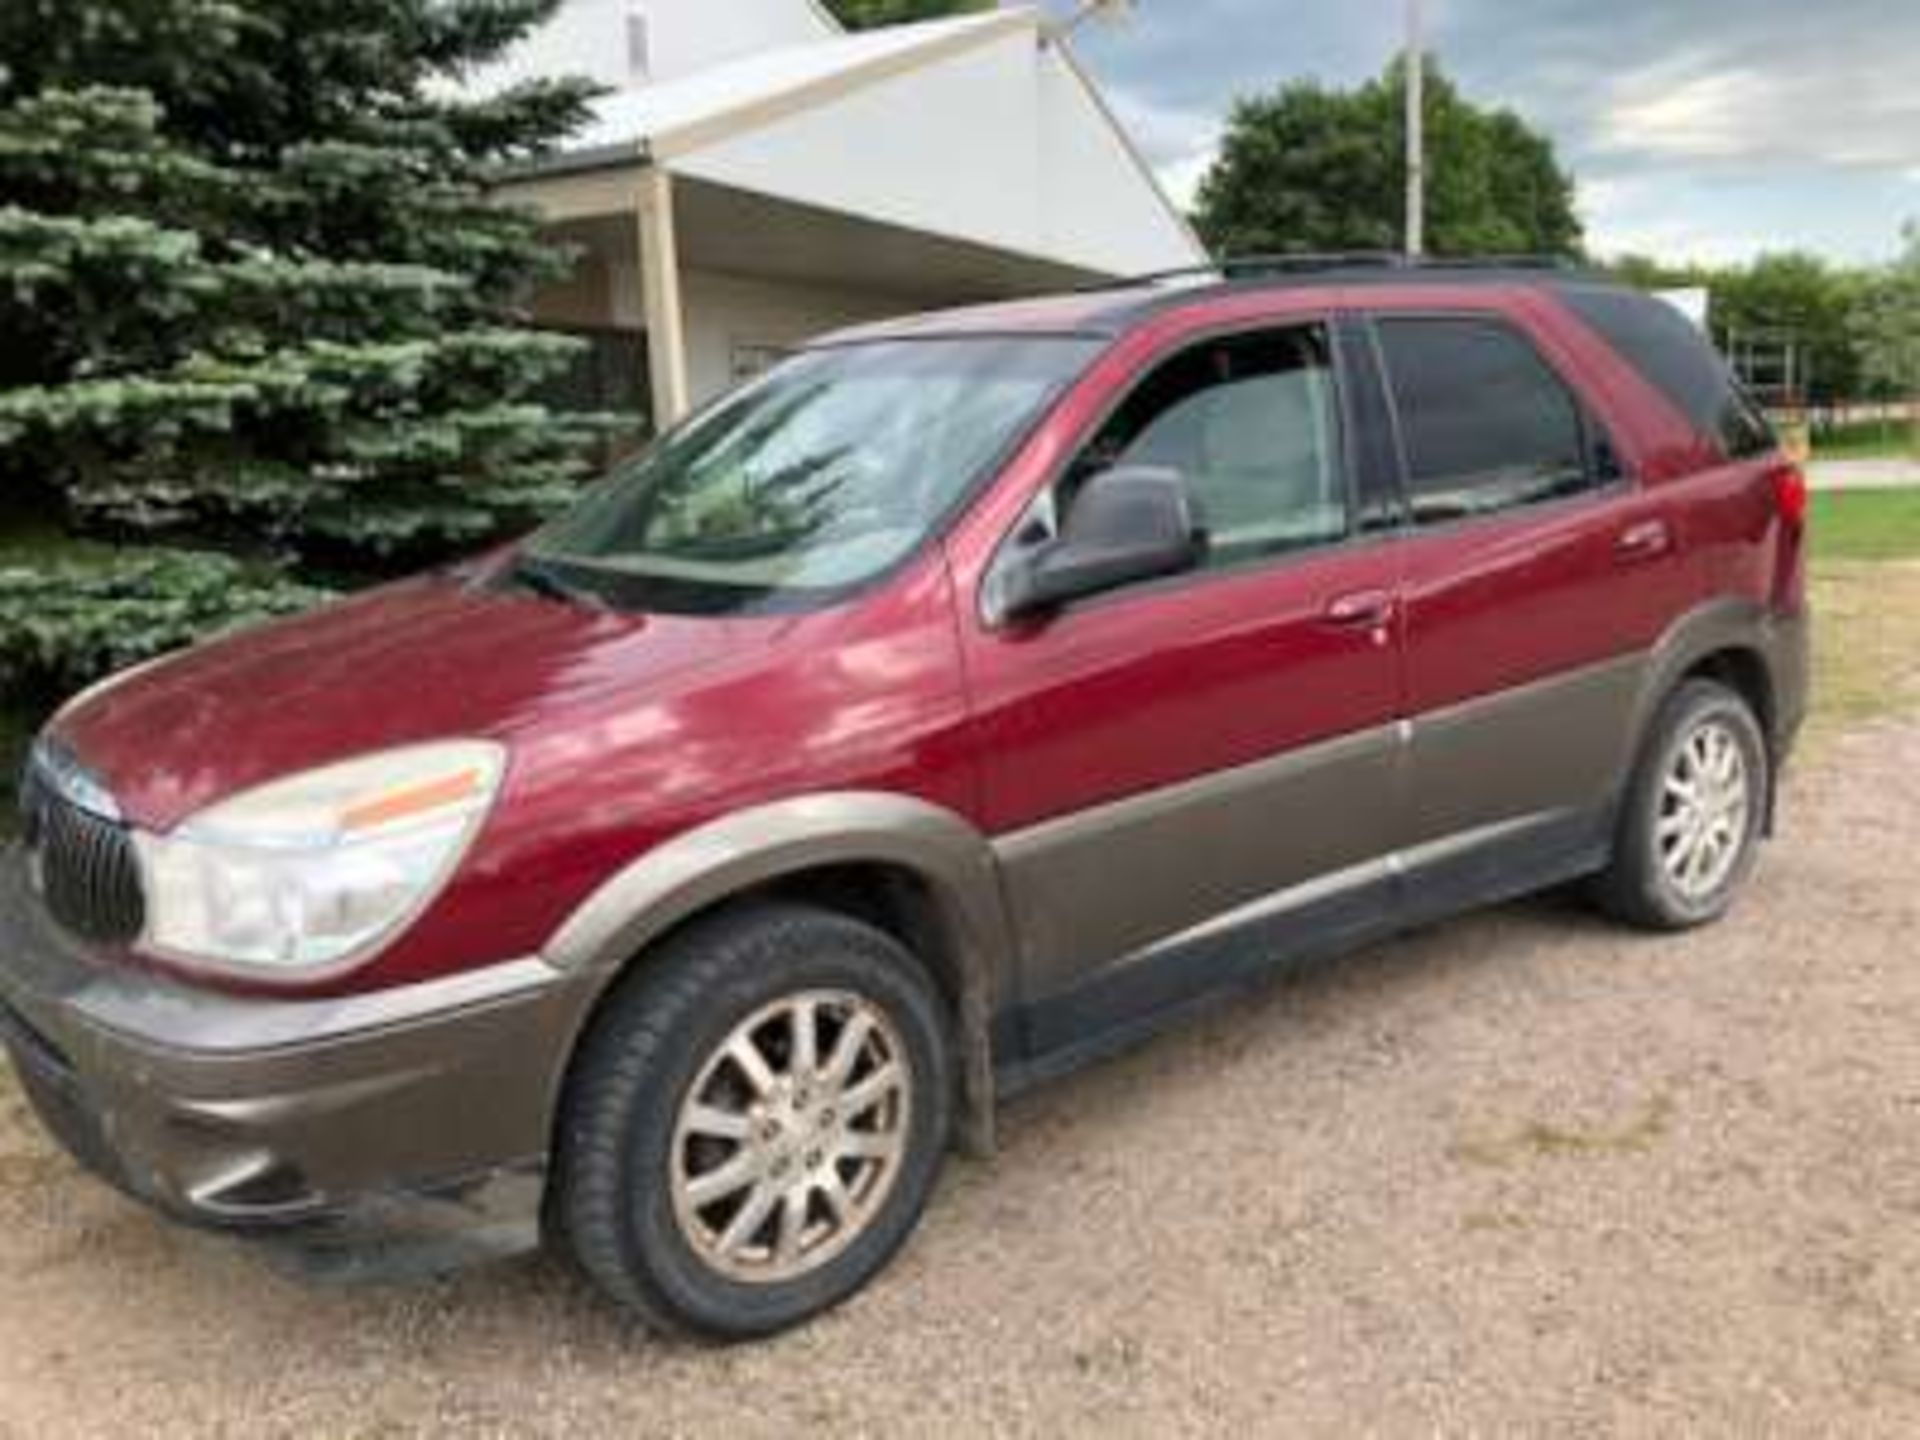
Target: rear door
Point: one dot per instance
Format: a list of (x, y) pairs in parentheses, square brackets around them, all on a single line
[(1159, 758), (1538, 574)]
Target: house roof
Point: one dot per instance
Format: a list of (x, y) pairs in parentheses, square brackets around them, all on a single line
[(981, 129), (675, 116)]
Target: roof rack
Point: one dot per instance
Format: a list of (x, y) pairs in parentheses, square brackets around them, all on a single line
[(1248, 267)]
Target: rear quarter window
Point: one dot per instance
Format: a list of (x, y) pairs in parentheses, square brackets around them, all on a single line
[(1485, 425), (1675, 359)]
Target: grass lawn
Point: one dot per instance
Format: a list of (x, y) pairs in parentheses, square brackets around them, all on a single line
[(1866, 524), (1866, 643), (1866, 599), (1866, 440)]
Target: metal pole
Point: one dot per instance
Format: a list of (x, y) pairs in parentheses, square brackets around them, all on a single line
[(1416, 133)]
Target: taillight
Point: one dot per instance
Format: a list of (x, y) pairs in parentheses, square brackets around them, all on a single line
[(1790, 495), (1790, 573)]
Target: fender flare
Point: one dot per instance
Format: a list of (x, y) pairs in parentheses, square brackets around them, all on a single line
[(1709, 629), (1778, 642), (749, 848)]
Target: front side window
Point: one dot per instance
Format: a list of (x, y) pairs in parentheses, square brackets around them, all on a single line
[(1253, 423), (833, 467), (1486, 426)]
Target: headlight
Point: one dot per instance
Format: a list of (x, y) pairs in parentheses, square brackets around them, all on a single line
[(306, 876)]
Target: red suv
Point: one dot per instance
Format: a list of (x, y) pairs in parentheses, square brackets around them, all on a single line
[(955, 703)]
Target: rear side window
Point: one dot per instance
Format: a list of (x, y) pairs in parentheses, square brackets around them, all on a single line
[(1676, 359), (1486, 426)]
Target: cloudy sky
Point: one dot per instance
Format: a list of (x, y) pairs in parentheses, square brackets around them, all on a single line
[(1705, 129)]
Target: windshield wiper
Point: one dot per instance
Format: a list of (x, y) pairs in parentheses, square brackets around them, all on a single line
[(536, 578)]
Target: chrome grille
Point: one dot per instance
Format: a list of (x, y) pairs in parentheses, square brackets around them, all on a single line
[(83, 864)]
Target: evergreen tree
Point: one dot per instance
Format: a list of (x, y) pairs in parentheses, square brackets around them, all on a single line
[(254, 294)]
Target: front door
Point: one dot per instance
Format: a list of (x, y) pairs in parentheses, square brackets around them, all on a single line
[(1162, 762)]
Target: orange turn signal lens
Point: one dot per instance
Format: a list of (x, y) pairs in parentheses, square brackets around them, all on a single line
[(413, 800)]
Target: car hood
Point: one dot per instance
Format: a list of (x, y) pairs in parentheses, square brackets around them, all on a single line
[(427, 659)]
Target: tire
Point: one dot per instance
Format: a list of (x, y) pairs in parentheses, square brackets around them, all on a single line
[(1649, 882), (634, 1149)]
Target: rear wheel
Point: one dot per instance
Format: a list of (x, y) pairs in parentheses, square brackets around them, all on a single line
[(1695, 809), (755, 1122)]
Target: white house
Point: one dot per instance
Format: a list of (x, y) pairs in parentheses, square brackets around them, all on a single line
[(759, 176)]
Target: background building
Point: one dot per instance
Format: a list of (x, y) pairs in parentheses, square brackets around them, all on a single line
[(759, 176)]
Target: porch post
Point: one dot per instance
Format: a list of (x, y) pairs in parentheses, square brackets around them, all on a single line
[(660, 290)]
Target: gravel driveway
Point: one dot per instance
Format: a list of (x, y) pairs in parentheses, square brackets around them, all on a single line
[(1518, 1172)]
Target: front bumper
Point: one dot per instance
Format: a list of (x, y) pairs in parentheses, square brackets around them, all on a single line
[(399, 1123)]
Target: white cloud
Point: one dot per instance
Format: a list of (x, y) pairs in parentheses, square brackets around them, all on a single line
[(1638, 214), (1701, 117), (1179, 144), (1708, 107), (1635, 213), (1606, 194), (1181, 179), (1707, 131), (1677, 242)]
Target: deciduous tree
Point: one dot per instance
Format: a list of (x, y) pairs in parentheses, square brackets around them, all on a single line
[(1309, 168), (1887, 327), (1801, 297)]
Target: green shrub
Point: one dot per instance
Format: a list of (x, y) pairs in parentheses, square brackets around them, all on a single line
[(258, 299), (65, 624)]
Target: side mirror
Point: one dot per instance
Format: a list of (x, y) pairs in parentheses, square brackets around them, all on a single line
[(1126, 525)]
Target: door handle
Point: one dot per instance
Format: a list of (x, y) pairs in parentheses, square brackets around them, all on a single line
[(1362, 610), (1643, 540)]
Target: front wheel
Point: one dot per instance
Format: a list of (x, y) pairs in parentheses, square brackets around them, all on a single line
[(755, 1122), (1693, 815)]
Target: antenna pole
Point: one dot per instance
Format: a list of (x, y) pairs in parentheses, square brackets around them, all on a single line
[(1416, 78)]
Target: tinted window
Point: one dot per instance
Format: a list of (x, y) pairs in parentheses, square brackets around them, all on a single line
[(1253, 422), (1485, 424), (1663, 345)]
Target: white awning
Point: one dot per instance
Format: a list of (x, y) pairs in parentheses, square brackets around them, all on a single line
[(982, 129)]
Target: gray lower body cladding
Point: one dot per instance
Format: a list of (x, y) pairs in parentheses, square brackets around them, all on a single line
[(423, 1112), (1318, 920), (1302, 831), (1132, 912)]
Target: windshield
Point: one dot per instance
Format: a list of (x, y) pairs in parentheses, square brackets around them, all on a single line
[(822, 475)]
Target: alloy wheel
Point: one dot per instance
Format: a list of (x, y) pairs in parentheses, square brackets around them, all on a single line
[(1706, 801), (791, 1136)]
